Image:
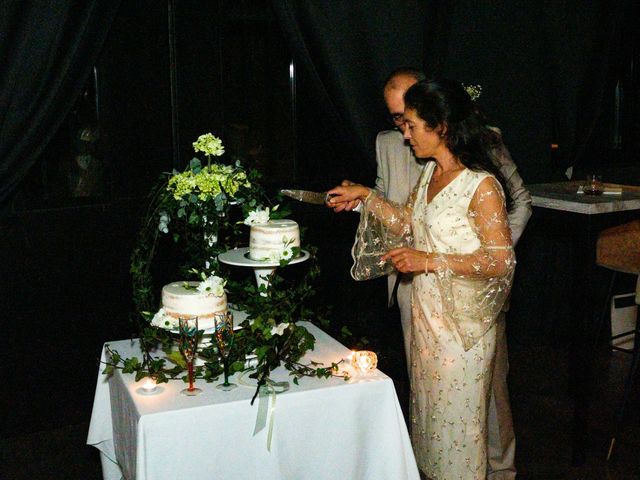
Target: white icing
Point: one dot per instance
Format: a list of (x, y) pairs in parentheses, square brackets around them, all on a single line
[(273, 240), (180, 302)]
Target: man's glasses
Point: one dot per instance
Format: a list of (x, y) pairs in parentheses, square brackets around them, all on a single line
[(397, 120)]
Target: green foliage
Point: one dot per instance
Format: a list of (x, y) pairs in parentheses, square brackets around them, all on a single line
[(201, 211)]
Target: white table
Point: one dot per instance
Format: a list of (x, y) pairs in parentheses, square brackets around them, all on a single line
[(323, 428)]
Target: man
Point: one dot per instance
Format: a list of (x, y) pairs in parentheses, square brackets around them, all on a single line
[(397, 174)]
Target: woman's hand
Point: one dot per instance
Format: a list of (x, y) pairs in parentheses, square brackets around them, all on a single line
[(346, 206), (407, 260), (346, 195)]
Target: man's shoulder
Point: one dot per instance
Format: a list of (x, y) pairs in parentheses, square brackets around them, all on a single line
[(390, 137)]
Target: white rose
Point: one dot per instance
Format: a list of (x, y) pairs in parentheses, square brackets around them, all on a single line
[(213, 285)]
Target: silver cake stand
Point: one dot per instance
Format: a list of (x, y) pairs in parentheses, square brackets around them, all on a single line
[(239, 257)]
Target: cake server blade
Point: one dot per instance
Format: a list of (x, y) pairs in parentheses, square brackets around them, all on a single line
[(317, 198)]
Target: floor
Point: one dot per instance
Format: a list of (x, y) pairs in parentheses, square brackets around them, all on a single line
[(541, 411)]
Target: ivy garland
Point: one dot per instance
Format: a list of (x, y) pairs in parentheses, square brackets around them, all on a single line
[(199, 209)]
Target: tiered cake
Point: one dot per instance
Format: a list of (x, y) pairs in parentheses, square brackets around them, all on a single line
[(273, 240)]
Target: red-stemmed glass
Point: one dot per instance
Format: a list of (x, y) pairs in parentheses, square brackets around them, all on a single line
[(189, 336)]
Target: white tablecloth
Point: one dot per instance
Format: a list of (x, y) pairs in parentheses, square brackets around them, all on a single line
[(323, 428)]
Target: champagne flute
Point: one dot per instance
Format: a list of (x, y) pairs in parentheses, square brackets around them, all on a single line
[(188, 345), (224, 337)]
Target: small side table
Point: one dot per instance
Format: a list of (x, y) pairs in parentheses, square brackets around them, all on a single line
[(579, 218)]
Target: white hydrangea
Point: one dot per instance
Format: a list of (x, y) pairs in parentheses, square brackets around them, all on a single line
[(212, 285), (257, 217)]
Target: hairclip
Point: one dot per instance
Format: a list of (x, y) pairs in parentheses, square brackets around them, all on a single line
[(474, 91)]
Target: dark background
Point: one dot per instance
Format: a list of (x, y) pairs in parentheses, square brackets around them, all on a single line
[(156, 75)]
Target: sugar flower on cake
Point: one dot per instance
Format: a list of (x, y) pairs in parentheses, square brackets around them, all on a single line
[(213, 285), (257, 217), (287, 254), (162, 320)]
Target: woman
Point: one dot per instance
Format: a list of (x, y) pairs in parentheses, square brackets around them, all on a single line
[(457, 244)]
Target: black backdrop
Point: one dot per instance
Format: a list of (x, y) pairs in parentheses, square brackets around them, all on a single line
[(544, 69)]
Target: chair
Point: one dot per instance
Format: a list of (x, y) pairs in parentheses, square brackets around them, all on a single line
[(618, 249)]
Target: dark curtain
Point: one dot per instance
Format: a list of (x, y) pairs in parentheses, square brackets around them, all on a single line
[(346, 50), (544, 69), (48, 49)]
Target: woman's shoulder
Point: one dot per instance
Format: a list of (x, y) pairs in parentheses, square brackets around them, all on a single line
[(477, 176), (474, 179)]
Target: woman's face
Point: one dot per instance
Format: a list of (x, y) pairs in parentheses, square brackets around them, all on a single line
[(425, 141)]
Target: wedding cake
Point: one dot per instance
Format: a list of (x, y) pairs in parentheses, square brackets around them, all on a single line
[(273, 240), (187, 300)]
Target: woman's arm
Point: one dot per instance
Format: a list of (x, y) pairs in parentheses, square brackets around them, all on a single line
[(495, 257), (396, 218)]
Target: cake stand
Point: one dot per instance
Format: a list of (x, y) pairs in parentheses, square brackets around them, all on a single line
[(262, 269)]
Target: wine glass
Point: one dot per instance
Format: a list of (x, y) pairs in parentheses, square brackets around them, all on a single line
[(223, 325), (188, 344)]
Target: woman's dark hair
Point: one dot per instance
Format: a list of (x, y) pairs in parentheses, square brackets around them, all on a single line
[(445, 104)]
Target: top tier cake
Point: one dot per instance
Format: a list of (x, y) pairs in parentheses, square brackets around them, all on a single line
[(273, 240)]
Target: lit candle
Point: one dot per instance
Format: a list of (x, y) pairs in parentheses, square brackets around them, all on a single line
[(149, 386), (349, 359), (365, 361)]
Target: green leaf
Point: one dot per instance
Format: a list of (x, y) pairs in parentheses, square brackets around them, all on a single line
[(131, 365), (177, 358), (195, 165)]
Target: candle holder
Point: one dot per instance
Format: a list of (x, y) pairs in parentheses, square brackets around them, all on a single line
[(149, 387), (364, 361)]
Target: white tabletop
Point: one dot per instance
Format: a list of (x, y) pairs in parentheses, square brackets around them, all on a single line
[(322, 429), (563, 196)]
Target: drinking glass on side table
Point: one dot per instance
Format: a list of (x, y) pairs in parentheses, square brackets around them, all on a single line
[(593, 185)]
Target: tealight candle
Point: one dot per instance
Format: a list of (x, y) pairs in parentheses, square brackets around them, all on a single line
[(149, 387), (349, 359), (365, 361)]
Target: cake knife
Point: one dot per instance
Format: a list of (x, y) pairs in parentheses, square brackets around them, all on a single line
[(307, 196)]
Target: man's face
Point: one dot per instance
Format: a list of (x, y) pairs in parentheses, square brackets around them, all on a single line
[(394, 99)]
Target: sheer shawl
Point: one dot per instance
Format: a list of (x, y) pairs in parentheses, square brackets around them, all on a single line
[(470, 241)]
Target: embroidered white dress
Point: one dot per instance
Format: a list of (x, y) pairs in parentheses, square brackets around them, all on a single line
[(454, 312)]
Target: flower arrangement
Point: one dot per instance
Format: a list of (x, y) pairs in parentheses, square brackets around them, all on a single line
[(202, 209)]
